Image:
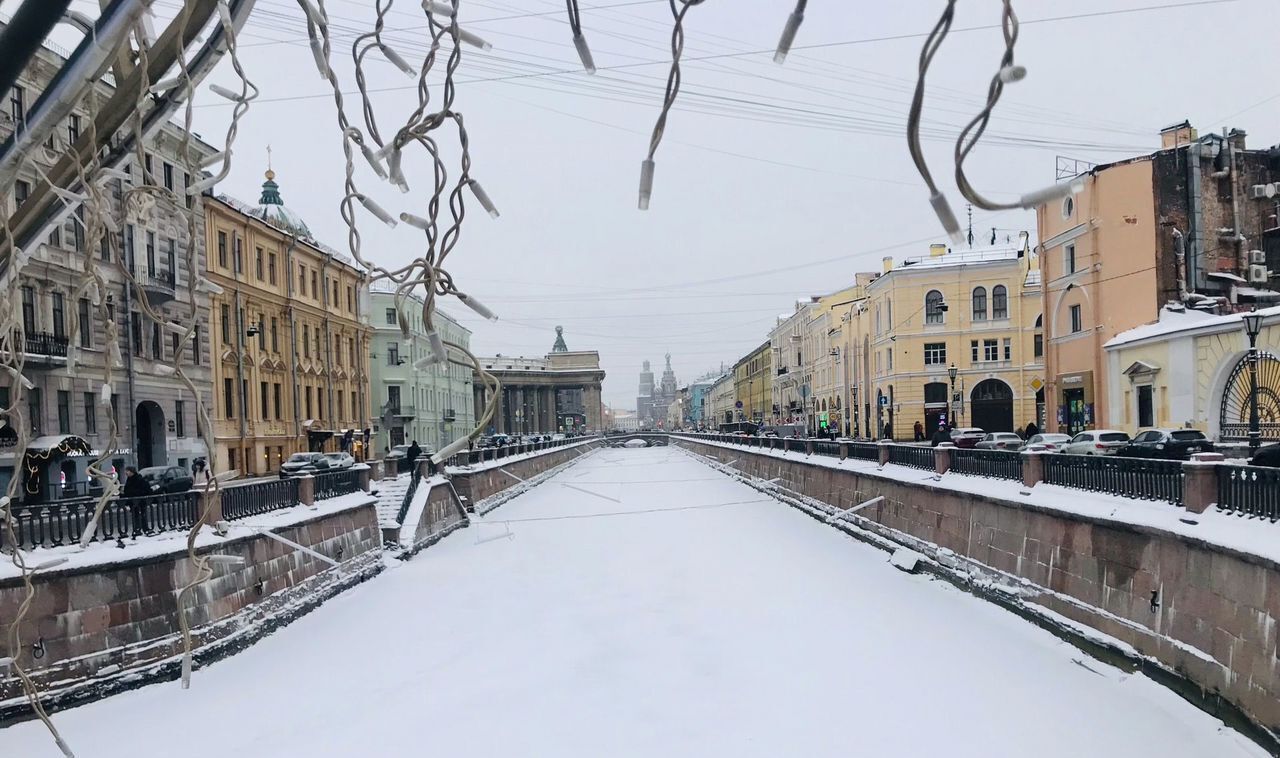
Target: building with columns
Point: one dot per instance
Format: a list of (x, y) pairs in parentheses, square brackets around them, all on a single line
[(559, 392)]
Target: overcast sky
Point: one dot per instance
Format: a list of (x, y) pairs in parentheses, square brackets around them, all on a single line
[(773, 182)]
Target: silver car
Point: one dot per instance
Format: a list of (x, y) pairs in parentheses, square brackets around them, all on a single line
[(340, 461), (1047, 442), (1096, 442), (999, 441)]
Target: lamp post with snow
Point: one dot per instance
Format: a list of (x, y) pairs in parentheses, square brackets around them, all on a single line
[(951, 372), (1252, 327)]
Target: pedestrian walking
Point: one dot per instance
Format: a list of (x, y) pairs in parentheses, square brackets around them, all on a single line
[(136, 489), (888, 431), (942, 435), (1032, 430), (919, 430), (413, 453)]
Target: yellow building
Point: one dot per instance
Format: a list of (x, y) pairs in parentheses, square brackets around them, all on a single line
[(975, 310), (824, 377), (721, 402), (290, 344), (753, 385)]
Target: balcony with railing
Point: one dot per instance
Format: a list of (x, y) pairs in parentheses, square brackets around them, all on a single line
[(40, 348), (161, 286)]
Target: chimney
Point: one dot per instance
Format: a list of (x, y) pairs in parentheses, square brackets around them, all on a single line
[(937, 249), (1235, 138), (888, 263), (1177, 134)]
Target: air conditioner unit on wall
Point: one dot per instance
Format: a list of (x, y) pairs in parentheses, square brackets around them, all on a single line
[(1258, 273), (1258, 257), (1263, 191)]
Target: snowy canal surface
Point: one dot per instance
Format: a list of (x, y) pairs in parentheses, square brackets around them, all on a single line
[(647, 605)]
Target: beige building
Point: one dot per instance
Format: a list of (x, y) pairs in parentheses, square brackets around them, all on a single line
[(1180, 225), (823, 367), (753, 385), (974, 310), (786, 342), (291, 339), (559, 392), (721, 405), (1191, 369)]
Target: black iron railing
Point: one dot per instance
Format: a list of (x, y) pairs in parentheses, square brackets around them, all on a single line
[(910, 455), (1139, 478), (257, 498), (44, 343), (62, 522), (414, 481), (482, 454), (826, 447), (1252, 491), (336, 483), (864, 451), (998, 464)]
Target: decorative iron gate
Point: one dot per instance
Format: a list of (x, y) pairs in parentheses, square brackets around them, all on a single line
[(1234, 414)]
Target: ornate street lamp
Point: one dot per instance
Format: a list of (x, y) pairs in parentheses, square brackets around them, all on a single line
[(1252, 326), (951, 372)]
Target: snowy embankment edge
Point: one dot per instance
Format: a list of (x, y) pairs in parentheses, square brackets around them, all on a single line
[(407, 545), (1248, 539), (472, 468), (485, 506), (1013, 593)]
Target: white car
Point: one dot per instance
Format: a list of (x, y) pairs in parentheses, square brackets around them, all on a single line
[(1047, 442), (999, 441), (340, 461), (1096, 442)]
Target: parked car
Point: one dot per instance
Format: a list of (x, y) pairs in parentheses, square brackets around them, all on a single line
[(1096, 442), (967, 436), (304, 464), (1047, 442), (166, 478), (397, 452), (1173, 444), (340, 461), (1267, 456), (999, 441)]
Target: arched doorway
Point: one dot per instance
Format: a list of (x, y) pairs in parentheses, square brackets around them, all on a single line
[(1233, 420), (152, 447), (992, 403)]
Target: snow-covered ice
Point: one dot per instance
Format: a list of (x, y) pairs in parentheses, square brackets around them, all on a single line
[(655, 608)]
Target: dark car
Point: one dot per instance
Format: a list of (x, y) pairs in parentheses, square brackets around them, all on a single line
[(1170, 444), (1267, 456), (165, 479), (304, 464)]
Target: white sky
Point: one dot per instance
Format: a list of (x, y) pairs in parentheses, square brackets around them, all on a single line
[(772, 183)]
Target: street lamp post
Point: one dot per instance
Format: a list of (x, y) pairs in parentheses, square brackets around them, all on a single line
[(1252, 326), (951, 372)]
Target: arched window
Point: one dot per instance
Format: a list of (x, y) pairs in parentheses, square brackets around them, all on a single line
[(979, 303), (1038, 338), (999, 302), (933, 307)]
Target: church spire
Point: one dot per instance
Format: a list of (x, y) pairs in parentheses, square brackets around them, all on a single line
[(270, 190)]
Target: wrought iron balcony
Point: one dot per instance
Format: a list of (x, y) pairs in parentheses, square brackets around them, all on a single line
[(399, 411), (161, 286), (43, 348)]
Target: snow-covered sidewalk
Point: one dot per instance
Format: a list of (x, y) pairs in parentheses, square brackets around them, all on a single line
[(647, 605)]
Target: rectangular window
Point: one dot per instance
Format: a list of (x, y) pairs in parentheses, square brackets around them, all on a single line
[(262, 331), (17, 104), (351, 306), (77, 229), (237, 251), (393, 354), (271, 268), (244, 397), (351, 351), (136, 327), (157, 347), (90, 413), (1069, 258), (973, 350), (888, 358), (306, 342), (28, 310), (151, 254), (64, 412), (1146, 408), (167, 170), (315, 285), (258, 263), (195, 346), (1077, 323), (35, 409), (73, 129), (337, 350), (59, 316), (935, 353), (355, 412), (1007, 346), (302, 280), (275, 335), (990, 350), (307, 403), (391, 316), (275, 397), (21, 191), (1038, 345), (264, 408), (222, 249), (128, 246), (55, 237), (175, 345), (226, 324), (115, 410), (171, 261), (84, 323), (146, 162), (231, 459), (334, 302), (186, 190), (179, 419)]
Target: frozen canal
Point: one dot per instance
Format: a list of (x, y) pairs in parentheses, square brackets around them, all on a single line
[(693, 617)]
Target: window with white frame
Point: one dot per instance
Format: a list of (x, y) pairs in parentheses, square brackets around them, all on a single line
[(1007, 347), (999, 302), (933, 311), (979, 303), (1077, 320), (935, 353), (990, 350)]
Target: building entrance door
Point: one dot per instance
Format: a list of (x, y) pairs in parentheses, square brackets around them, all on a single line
[(1073, 405)]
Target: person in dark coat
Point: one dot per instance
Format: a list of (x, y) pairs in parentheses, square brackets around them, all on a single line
[(919, 430), (942, 435), (888, 431), (1032, 430), (413, 452), (137, 488)]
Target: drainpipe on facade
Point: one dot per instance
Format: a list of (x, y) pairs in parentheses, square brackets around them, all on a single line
[(293, 334), (1195, 226), (1180, 264), (128, 367), (240, 386), (1242, 250)]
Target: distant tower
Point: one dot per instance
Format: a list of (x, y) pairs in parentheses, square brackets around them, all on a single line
[(644, 397), (559, 347)]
